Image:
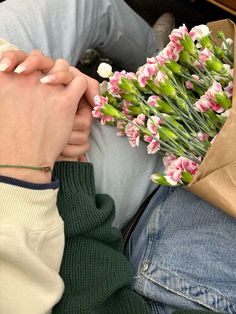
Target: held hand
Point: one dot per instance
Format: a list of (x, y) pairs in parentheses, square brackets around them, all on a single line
[(59, 73), (78, 144), (36, 119)]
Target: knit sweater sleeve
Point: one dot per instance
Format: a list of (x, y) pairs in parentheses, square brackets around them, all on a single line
[(95, 272), (31, 247)]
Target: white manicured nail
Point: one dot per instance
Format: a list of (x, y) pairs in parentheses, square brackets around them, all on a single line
[(47, 79), (4, 64), (21, 68)]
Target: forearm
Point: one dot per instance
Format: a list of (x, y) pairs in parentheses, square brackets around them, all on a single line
[(31, 246)]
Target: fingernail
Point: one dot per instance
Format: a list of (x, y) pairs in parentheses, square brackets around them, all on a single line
[(47, 79), (4, 64), (21, 68)]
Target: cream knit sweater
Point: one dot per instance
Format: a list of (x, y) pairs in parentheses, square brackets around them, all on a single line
[(31, 248)]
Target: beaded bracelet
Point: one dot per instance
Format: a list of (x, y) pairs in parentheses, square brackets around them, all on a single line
[(43, 168)]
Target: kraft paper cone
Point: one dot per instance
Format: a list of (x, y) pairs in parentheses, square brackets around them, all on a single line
[(215, 180)]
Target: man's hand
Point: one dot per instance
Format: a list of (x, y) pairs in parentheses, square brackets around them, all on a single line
[(78, 144)]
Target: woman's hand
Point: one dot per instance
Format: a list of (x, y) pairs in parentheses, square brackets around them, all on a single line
[(58, 72), (36, 119)]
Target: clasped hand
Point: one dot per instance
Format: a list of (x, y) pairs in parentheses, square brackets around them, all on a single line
[(45, 112)]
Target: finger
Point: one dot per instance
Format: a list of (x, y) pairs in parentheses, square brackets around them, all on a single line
[(79, 138), (75, 90), (74, 151), (84, 121), (82, 158), (83, 118), (35, 62), (59, 77), (10, 59), (93, 86), (60, 65)]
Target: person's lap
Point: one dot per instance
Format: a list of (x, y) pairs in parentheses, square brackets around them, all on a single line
[(183, 253)]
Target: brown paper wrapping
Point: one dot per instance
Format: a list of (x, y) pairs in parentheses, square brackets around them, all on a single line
[(215, 180)]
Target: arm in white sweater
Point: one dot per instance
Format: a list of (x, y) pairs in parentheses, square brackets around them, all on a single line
[(31, 247)]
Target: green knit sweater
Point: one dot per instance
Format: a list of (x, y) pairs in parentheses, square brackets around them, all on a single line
[(95, 272)]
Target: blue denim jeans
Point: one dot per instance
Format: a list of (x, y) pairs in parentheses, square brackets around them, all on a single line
[(183, 252)]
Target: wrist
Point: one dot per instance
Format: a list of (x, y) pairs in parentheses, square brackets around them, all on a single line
[(28, 175)]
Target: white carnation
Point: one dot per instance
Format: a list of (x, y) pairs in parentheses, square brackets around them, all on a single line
[(200, 31), (228, 43), (104, 70)]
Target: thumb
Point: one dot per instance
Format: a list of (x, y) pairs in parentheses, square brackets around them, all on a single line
[(93, 88)]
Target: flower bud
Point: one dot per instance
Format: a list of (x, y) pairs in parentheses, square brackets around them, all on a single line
[(127, 86), (188, 45), (174, 67), (206, 42), (221, 35), (223, 100), (109, 110), (184, 57), (166, 134), (160, 179), (186, 177), (167, 89), (163, 106), (214, 64), (182, 104), (131, 98)]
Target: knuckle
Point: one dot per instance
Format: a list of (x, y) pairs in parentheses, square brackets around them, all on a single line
[(36, 52), (62, 62), (11, 54), (33, 59)]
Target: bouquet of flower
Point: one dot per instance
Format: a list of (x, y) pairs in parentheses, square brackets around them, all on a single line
[(177, 103)]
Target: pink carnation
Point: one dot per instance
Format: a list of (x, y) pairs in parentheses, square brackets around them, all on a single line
[(100, 101), (151, 60), (205, 55), (152, 125), (125, 109), (189, 85), (176, 167), (203, 104), (170, 52), (145, 73), (202, 136), (178, 33), (152, 100), (153, 147), (121, 127), (133, 132), (229, 89), (167, 160), (114, 80), (160, 77)]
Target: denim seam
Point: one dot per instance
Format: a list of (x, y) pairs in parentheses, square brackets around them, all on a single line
[(192, 285)]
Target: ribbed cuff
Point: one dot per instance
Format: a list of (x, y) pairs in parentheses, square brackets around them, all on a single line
[(28, 185), (29, 208), (75, 176)]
